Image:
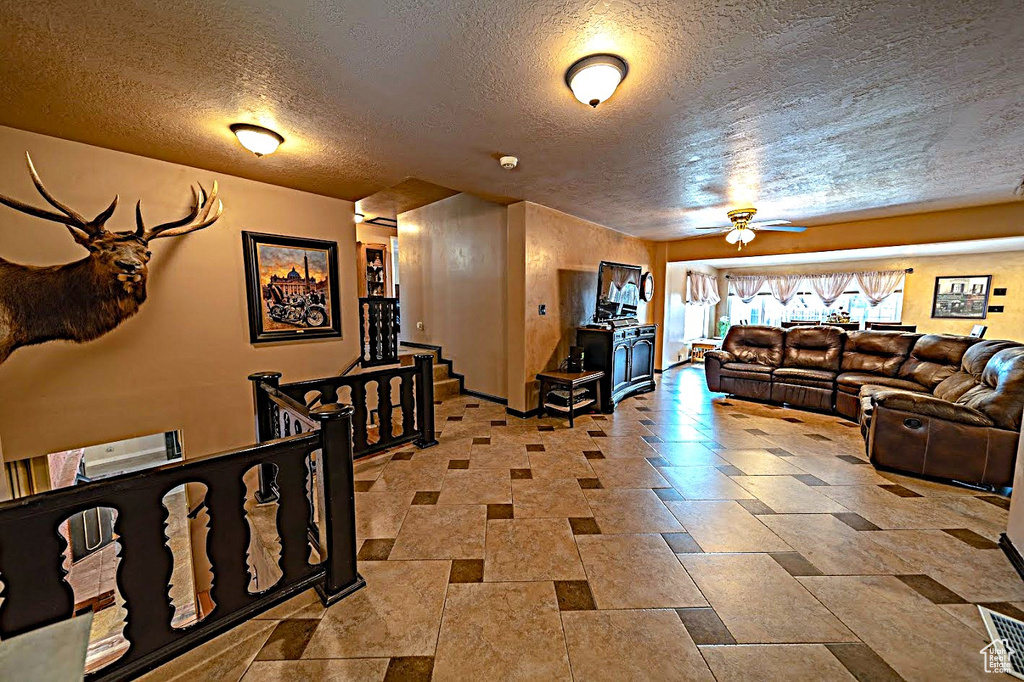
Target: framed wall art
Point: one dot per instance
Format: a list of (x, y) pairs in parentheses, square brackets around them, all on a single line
[(961, 297), (292, 287)]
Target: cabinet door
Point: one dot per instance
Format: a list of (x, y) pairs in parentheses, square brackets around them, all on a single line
[(641, 366), (620, 366)]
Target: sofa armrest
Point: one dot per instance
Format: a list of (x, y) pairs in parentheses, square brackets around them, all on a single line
[(722, 356), (930, 406), (713, 361)]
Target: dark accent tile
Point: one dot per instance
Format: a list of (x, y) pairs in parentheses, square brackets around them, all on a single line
[(466, 571), (730, 470), (1004, 608), (659, 462), (809, 479), (756, 432), (899, 490), (705, 627), (780, 452), (975, 540), (818, 437), (640, 398), (1001, 502), (600, 418), (584, 526), (932, 589), (597, 434), (682, 543), (863, 663), (643, 409), (472, 406), (738, 416), (454, 419), (458, 464), (499, 511), (481, 441), (795, 563), (756, 507), (426, 496), (593, 454), (520, 474), (849, 425), (668, 494), (439, 402), (647, 422), (590, 483), (403, 456), (724, 403), (410, 669), (498, 422), (534, 448), (652, 439), (362, 486), (375, 549), (792, 420), (288, 640), (855, 521), (574, 595), (545, 427), (850, 459)]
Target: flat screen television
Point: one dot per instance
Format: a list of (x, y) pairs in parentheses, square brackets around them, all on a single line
[(618, 291)]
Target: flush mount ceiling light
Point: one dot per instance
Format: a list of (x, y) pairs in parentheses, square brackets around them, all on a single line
[(593, 79), (257, 139)]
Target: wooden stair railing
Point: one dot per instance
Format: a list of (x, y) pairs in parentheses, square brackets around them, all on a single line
[(379, 325)]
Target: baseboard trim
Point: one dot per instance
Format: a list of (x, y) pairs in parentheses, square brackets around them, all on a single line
[(673, 366), (1012, 554), (522, 415), (486, 396)]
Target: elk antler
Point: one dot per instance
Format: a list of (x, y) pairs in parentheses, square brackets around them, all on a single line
[(202, 215), (84, 231)]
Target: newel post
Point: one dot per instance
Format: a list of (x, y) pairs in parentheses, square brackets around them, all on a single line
[(425, 400), (338, 517), (265, 431)]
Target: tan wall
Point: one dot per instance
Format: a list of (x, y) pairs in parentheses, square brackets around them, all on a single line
[(375, 234), (980, 222), (182, 362), (452, 260), (676, 309), (562, 258), (1007, 270)]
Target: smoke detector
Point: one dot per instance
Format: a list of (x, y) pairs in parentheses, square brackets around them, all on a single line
[(508, 162)]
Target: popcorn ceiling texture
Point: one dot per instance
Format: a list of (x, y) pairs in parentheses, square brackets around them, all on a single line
[(840, 108)]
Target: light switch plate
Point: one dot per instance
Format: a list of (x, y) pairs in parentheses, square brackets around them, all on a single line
[(542, 309), (419, 325)]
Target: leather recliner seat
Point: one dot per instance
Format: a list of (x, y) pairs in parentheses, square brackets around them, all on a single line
[(871, 357), (810, 364), (746, 362)]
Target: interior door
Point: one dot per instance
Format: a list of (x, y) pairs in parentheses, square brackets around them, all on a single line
[(641, 365), (620, 366)]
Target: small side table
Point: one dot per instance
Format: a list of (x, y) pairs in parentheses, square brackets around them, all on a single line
[(571, 381), (700, 346)]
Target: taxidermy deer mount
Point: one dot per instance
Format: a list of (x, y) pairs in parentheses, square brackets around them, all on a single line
[(84, 300)]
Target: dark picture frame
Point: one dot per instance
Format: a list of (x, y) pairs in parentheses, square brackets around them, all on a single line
[(296, 296), (962, 297)]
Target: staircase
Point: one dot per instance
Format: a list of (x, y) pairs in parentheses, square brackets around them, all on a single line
[(445, 385)]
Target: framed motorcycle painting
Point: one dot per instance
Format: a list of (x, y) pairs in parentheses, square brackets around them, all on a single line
[(292, 287)]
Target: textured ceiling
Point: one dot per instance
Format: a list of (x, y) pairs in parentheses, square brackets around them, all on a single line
[(808, 109), (405, 196)]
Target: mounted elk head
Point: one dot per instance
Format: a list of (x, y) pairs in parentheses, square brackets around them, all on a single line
[(83, 300)]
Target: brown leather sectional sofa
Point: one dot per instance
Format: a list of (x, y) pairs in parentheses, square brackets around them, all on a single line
[(934, 404)]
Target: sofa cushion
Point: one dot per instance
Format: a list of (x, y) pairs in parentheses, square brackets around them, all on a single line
[(755, 344), (930, 406), (1000, 394), (971, 369), (748, 367), (818, 347), (816, 375), (877, 352), (850, 382), (934, 358)]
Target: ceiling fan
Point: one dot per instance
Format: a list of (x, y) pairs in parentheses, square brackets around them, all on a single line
[(742, 231)]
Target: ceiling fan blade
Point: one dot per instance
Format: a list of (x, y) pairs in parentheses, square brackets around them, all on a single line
[(781, 228), (759, 223), (720, 227)]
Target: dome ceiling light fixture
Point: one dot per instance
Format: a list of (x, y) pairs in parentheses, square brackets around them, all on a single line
[(257, 139), (742, 231), (593, 79)]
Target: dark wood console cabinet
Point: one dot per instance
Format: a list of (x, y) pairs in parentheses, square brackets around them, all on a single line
[(625, 355)]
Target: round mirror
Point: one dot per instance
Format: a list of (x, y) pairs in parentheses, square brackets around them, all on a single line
[(647, 286)]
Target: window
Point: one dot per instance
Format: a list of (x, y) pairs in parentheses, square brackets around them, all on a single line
[(695, 322), (806, 305)]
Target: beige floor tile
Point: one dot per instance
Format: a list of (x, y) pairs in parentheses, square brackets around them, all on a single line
[(442, 532), (628, 473), (835, 471), (967, 614), (636, 572), (928, 488), (501, 631), (889, 511), (531, 549), (978, 515), (918, 639), (305, 605), (704, 483), (380, 515), (631, 511), (760, 602), (476, 486), (560, 464), (625, 446), (369, 469), (410, 475), (688, 454), (499, 457), (787, 495), (725, 526), (398, 613), (548, 498), (758, 462), (354, 670), (631, 645), (835, 548), (222, 659), (775, 663)]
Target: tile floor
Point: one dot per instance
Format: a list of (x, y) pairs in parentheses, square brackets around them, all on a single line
[(685, 537)]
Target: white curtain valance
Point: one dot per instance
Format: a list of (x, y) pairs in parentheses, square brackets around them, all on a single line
[(784, 287), (702, 289), (829, 287), (878, 286), (746, 286)]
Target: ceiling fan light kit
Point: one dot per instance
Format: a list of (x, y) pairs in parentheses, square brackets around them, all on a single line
[(743, 231)]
